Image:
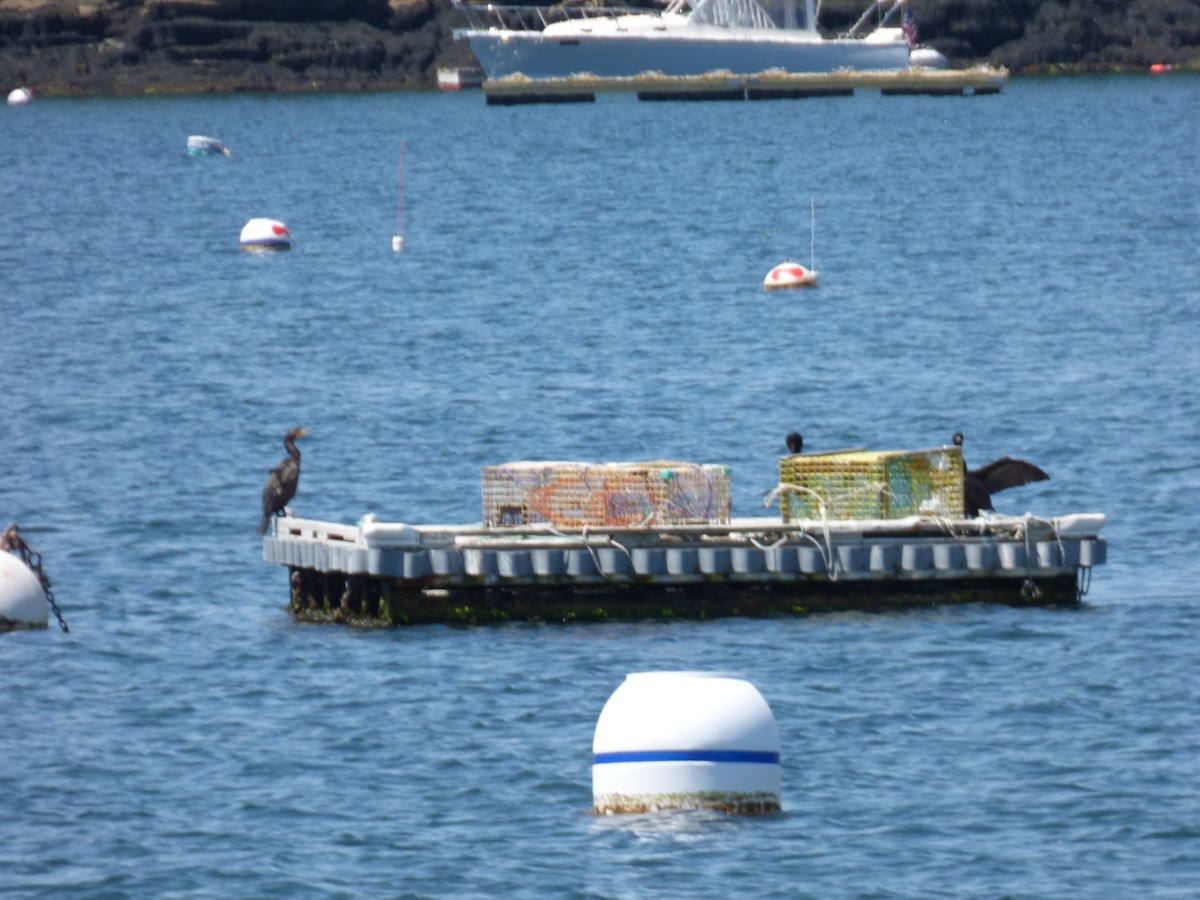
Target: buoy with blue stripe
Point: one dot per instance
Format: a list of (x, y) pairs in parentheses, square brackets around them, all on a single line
[(266, 234), (686, 740)]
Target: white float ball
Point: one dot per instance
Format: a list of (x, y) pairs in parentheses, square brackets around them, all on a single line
[(22, 599), (686, 740)]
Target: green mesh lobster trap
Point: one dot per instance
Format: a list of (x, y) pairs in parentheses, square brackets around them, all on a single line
[(871, 484)]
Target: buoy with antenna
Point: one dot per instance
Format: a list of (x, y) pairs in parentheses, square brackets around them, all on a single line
[(789, 274), (398, 237)]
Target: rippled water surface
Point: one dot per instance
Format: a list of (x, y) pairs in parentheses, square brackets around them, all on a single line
[(583, 282)]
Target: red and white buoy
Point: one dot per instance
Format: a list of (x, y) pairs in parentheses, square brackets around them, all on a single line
[(266, 234), (790, 274)]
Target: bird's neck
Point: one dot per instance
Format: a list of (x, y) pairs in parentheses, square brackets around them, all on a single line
[(292, 451)]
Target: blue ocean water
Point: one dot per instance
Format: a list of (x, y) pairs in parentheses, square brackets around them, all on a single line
[(584, 282)]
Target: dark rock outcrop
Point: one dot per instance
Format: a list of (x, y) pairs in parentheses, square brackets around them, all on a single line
[(196, 46), (1035, 35), (153, 46)]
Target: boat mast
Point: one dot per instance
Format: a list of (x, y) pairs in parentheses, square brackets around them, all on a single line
[(862, 20), (809, 12)]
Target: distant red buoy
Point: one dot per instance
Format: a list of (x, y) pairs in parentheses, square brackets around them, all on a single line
[(789, 275), (1160, 68)]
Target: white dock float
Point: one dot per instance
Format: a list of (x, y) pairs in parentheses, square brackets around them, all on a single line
[(770, 85), (379, 573)]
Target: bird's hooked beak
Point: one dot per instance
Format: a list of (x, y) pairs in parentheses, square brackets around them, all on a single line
[(299, 432)]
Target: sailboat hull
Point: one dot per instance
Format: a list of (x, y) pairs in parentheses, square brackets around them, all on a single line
[(696, 51)]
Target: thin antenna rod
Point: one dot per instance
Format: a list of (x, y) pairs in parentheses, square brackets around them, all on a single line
[(812, 237), (400, 204)]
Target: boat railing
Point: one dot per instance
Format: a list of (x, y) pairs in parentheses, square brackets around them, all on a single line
[(535, 18)]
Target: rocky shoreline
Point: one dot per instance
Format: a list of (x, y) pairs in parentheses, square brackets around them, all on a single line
[(140, 47)]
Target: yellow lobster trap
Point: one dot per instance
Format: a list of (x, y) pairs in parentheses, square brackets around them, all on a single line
[(871, 484), (577, 494)]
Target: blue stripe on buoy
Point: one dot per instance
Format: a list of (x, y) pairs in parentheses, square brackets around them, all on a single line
[(718, 756)]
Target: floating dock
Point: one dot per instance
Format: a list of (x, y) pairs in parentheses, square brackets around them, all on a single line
[(389, 574), (773, 85)]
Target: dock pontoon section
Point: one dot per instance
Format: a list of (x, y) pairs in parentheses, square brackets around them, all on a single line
[(378, 573)]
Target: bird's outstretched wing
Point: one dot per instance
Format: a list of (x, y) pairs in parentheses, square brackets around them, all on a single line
[(1008, 472)]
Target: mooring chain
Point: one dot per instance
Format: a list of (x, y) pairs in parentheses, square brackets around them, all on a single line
[(11, 540)]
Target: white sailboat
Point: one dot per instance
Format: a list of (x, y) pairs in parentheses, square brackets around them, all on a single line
[(687, 38)]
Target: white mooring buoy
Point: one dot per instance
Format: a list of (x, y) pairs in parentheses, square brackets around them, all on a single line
[(199, 145), (266, 234), (20, 96), (22, 599), (686, 740), (926, 58)]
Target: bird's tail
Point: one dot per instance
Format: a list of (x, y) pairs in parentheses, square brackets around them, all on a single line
[(265, 523)]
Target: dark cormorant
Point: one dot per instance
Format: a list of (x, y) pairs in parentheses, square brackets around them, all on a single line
[(282, 482), (980, 484), (795, 443)]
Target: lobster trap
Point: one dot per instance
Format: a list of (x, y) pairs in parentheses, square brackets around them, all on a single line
[(871, 484), (577, 494)]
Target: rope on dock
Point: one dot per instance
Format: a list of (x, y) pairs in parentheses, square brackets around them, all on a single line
[(582, 538), (832, 564)]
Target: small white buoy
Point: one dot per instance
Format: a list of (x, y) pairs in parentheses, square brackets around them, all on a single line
[(926, 58), (22, 599), (397, 243), (686, 740), (199, 145), (789, 274), (266, 234), (20, 96)]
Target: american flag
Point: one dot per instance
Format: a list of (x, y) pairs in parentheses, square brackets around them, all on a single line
[(909, 25)]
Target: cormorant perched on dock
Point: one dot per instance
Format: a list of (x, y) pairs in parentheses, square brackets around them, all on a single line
[(980, 484), (282, 482), (795, 442)]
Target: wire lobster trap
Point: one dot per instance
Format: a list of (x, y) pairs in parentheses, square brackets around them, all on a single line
[(871, 484), (577, 494)]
